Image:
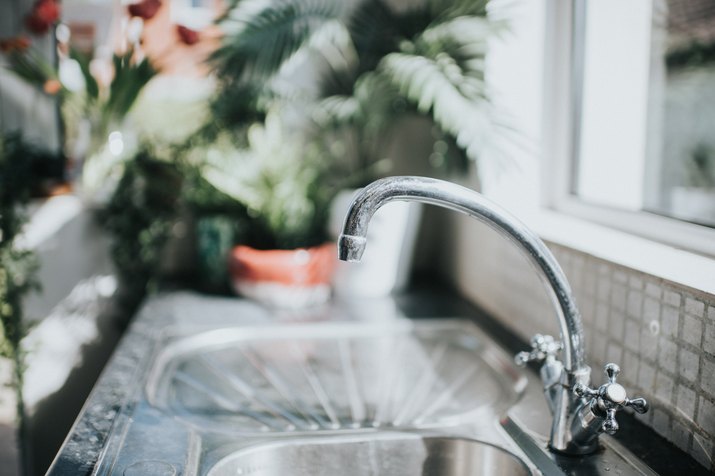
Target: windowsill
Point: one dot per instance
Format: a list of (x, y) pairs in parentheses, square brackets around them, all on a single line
[(641, 254)]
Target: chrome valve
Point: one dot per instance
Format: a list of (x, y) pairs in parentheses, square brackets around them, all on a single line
[(609, 398), (545, 348), (542, 347)]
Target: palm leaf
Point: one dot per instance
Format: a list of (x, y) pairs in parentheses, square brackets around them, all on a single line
[(238, 105), (375, 32), (261, 37), (442, 74), (444, 10)]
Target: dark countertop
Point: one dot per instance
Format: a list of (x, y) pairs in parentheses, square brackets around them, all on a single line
[(87, 440)]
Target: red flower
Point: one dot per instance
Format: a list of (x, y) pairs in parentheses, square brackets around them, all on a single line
[(18, 43), (43, 15), (145, 9), (187, 35)]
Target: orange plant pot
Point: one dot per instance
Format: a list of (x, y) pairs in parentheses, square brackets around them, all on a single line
[(284, 278)]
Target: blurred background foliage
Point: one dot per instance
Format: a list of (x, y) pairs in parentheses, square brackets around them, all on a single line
[(305, 99)]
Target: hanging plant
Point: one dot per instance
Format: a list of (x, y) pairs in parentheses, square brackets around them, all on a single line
[(17, 266)]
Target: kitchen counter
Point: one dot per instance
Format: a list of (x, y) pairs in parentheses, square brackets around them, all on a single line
[(192, 312)]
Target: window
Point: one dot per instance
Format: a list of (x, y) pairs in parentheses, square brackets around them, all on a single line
[(641, 122)]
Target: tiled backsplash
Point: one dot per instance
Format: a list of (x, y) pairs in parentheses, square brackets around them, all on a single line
[(662, 335)]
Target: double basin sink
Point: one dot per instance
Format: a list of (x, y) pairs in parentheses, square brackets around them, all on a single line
[(346, 398)]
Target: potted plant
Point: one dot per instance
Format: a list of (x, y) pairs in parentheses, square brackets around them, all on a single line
[(373, 61), (376, 64), (281, 188)]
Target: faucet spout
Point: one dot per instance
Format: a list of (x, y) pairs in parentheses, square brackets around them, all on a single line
[(567, 435)]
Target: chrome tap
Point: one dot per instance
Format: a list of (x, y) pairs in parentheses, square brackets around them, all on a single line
[(579, 413)]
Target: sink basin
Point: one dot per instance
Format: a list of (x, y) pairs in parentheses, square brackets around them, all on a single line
[(372, 455), (233, 392), (347, 397), (327, 377)]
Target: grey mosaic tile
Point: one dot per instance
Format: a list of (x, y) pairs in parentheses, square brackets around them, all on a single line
[(649, 344), (602, 313), (589, 283), (661, 421), (598, 347), (669, 319), (651, 308), (588, 311), (709, 338), (653, 290), (667, 355), (634, 305), (707, 375), (672, 298), (632, 334), (706, 416), (694, 307), (614, 352), (618, 298), (577, 264), (603, 289), (685, 402), (681, 435), (616, 325), (635, 281), (629, 368), (692, 330), (664, 386), (619, 276), (661, 334), (689, 365)]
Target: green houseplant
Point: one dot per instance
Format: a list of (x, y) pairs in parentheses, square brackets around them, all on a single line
[(17, 269), (276, 185), (374, 63)]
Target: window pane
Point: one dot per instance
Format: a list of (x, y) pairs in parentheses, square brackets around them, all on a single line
[(647, 118)]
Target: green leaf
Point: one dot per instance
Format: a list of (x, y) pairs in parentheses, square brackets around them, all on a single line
[(90, 83), (441, 72), (262, 37), (129, 79), (32, 67)]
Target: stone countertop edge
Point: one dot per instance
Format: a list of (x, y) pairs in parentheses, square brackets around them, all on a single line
[(83, 447), (86, 440)]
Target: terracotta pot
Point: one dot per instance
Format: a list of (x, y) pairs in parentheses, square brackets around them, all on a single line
[(284, 278)]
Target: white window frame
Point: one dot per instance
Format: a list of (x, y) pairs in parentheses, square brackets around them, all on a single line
[(564, 44)]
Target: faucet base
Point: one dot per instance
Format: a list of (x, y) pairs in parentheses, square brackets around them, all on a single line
[(607, 458)]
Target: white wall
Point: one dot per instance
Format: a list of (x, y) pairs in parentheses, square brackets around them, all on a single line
[(510, 175)]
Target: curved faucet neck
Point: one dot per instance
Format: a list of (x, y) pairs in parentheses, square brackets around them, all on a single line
[(352, 243)]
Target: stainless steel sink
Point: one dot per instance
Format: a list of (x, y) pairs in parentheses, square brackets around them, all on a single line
[(387, 454), (397, 397), (393, 397), (333, 376)]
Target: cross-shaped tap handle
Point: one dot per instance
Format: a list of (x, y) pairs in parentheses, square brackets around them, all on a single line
[(609, 398), (542, 346)]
